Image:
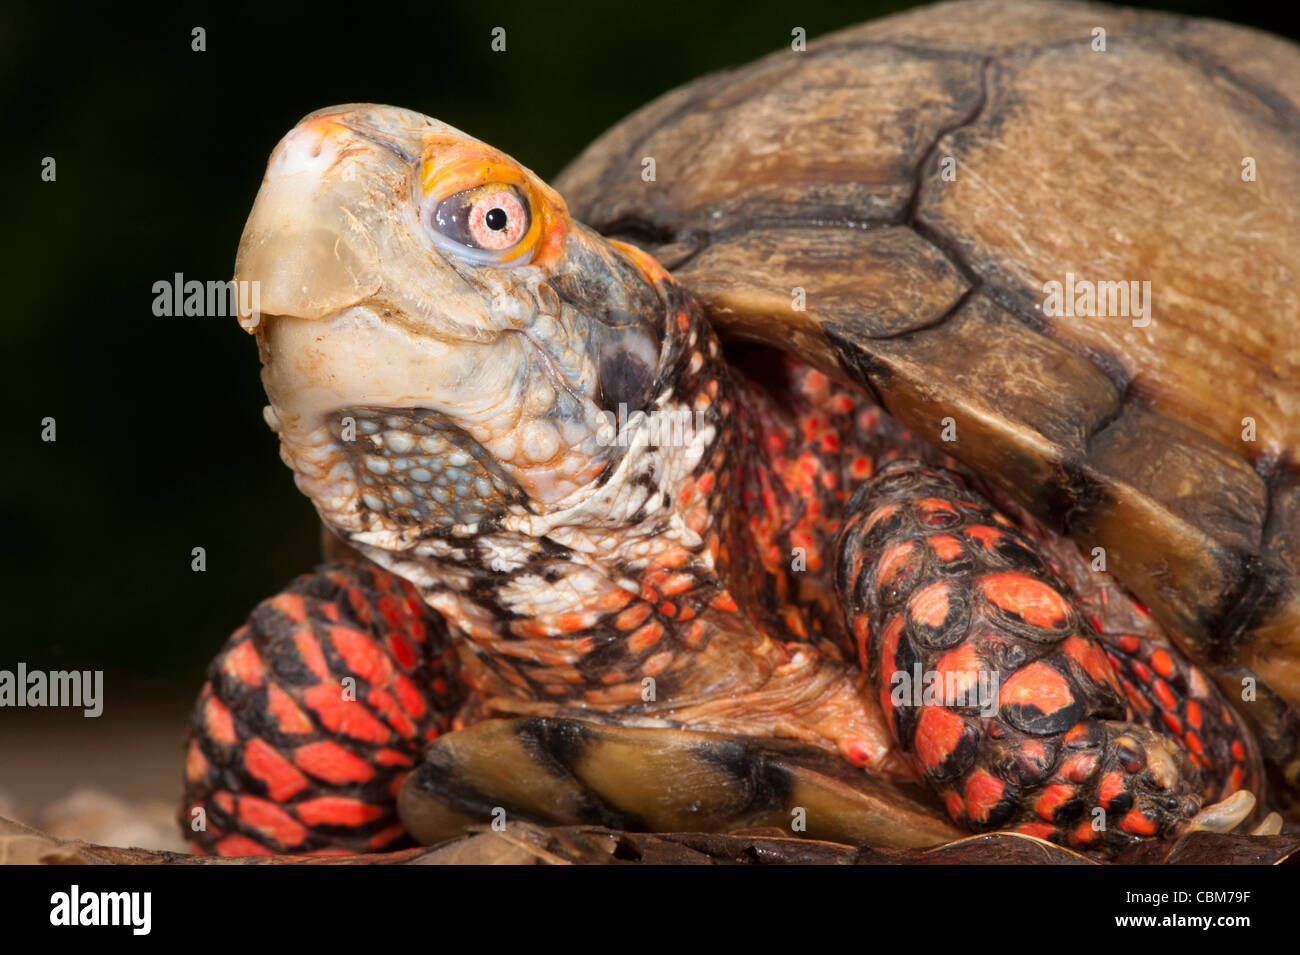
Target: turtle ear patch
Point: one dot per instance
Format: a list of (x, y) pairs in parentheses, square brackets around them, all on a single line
[(626, 379)]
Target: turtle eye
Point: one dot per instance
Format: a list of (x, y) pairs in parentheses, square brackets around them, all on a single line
[(489, 220)]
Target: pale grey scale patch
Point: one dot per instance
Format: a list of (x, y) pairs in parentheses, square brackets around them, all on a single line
[(418, 469), (568, 408)]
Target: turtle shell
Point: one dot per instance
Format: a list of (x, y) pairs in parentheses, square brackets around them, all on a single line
[(893, 204)]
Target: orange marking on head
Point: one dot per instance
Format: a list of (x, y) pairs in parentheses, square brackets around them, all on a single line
[(1130, 644), (1084, 834), (225, 801), (1194, 744), (1173, 722), (267, 764), (1193, 714), (1234, 780), (1031, 600), (1237, 750), (329, 761)]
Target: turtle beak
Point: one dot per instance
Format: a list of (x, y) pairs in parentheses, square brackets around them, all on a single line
[(327, 229), (486, 381)]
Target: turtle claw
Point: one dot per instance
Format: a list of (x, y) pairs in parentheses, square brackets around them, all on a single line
[(1271, 826), (1225, 815)]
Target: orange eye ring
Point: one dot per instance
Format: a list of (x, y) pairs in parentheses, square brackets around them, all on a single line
[(457, 194)]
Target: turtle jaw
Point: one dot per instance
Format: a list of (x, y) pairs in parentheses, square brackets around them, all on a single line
[(494, 375)]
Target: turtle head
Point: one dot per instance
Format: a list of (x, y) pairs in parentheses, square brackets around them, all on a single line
[(441, 342)]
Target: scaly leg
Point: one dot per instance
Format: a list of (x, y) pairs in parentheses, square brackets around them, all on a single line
[(1024, 725), (313, 714)]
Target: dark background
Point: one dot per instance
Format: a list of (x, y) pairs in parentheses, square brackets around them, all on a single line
[(161, 445)]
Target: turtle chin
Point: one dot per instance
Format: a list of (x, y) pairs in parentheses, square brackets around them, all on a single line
[(398, 437)]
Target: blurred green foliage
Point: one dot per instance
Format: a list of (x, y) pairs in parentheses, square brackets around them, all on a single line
[(159, 152)]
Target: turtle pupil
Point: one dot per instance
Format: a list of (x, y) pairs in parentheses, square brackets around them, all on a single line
[(495, 219)]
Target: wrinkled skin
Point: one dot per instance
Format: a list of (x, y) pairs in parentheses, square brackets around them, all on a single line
[(587, 514)]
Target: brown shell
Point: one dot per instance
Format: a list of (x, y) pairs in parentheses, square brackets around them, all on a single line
[(824, 170)]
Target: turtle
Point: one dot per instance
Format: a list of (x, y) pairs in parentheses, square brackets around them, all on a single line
[(812, 455)]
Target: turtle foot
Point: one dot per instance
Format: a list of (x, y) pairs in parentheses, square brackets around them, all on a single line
[(311, 714)]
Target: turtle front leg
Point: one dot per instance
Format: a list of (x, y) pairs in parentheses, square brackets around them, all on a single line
[(312, 715), (996, 684)]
